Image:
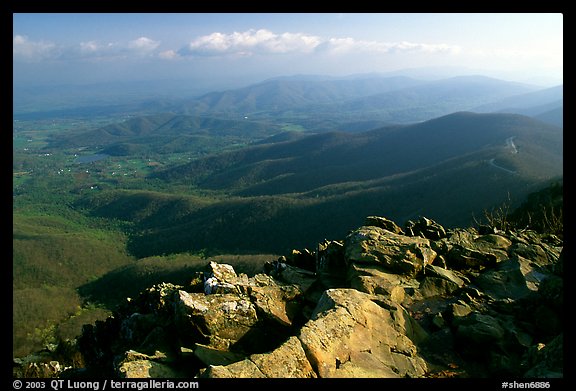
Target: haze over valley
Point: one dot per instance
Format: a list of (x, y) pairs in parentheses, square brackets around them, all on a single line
[(141, 153)]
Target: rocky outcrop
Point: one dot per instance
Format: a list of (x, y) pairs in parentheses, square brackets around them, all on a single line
[(418, 301)]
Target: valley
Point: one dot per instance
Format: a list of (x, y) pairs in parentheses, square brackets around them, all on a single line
[(109, 200)]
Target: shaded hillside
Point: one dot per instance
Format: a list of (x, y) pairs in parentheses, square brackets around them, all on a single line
[(52, 256), (331, 158), (451, 169)]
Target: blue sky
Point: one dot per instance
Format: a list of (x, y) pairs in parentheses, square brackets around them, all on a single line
[(86, 48)]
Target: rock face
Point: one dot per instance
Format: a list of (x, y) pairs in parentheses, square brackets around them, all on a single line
[(353, 334), (384, 302)]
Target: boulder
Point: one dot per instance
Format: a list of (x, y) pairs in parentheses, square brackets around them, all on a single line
[(504, 282), (277, 303), (219, 320), (384, 223), (240, 369), (287, 361), (450, 275), (537, 248), (397, 253), (139, 365), (304, 259), (330, 259), (464, 249), (375, 280), (479, 333), (436, 286), (302, 278), (350, 335), (425, 228), (213, 356)]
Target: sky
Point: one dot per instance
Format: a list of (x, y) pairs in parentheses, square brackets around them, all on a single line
[(68, 48)]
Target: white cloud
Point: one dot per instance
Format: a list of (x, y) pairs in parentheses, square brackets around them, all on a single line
[(266, 42), (237, 44), (23, 48), (168, 54), (143, 44), (348, 45), (251, 42)]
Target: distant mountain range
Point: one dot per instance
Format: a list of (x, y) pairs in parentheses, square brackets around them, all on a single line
[(362, 102), (396, 99)]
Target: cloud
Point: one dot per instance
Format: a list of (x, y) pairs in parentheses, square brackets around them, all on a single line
[(139, 47), (263, 41), (143, 44), (350, 45), (237, 44), (23, 48), (251, 42), (168, 54), (27, 50)]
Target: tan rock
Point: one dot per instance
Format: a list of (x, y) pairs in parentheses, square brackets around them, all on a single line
[(349, 334), (398, 253)]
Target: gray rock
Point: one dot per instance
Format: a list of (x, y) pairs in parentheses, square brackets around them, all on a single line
[(449, 275), (479, 331), (435, 286), (302, 278), (504, 282), (464, 249)]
